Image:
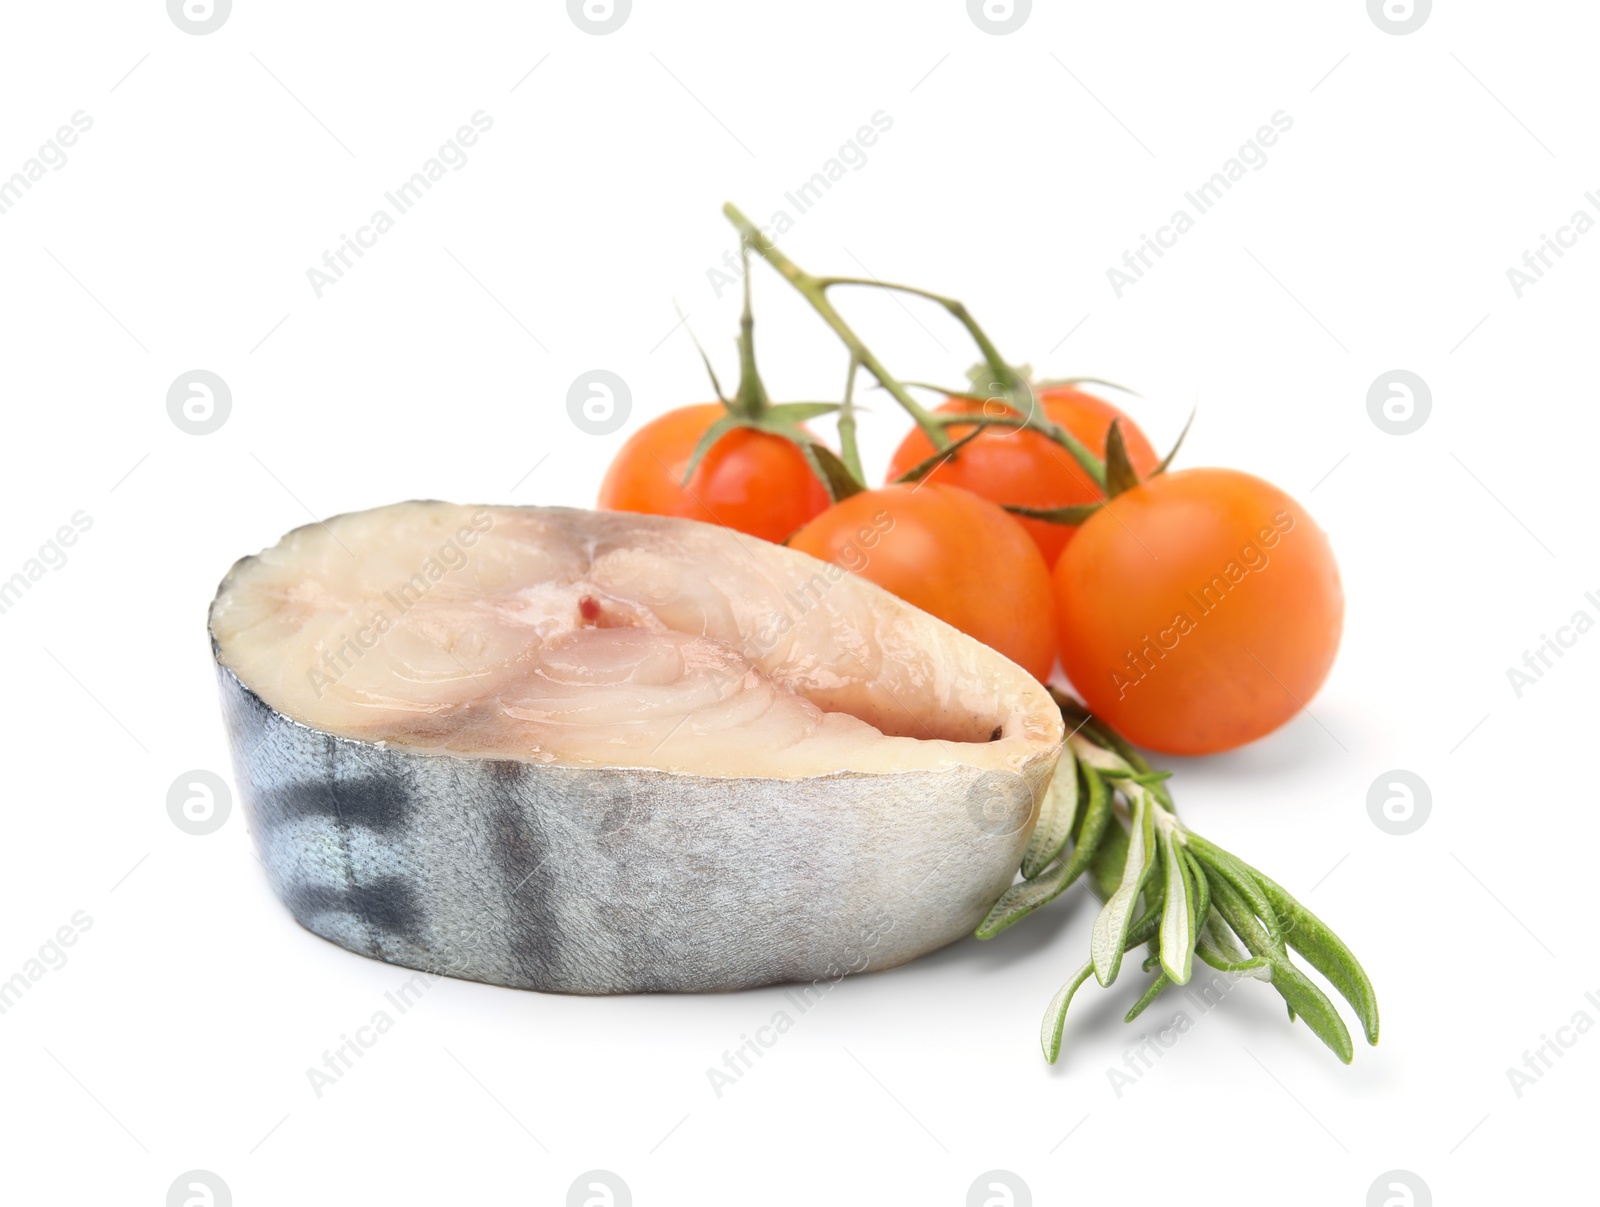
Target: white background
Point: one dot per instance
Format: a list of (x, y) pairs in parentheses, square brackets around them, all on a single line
[(1019, 167)]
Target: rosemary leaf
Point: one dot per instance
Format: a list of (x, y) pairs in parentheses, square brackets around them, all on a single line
[(1323, 950), (1177, 919), (1056, 817), (1111, 924), (1302, 996), (1020, 900), (1240, 878), (1202, 893), (1156, 989), (1055, 1014), (1311, 1004)]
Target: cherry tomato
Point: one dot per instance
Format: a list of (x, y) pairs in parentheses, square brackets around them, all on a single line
[(1198, 611), (950, 553), (1026, 469), (748, 480)]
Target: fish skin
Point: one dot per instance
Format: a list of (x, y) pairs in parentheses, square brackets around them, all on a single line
[(486, 869), (600, 880)]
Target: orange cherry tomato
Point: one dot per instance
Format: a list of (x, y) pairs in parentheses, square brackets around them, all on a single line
[(1198, 611), (748, 480), (1005, 465), (950, 553)]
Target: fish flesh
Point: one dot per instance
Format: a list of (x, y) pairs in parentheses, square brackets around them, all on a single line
[(602, 752)]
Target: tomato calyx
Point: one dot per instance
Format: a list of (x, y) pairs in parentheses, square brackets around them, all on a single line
[(751, 407), (1065, 383), (1114, 473), (1013, 403), (927, 465), (1120, 476)]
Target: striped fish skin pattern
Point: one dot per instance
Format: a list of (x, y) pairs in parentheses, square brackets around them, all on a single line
[(617, 880)]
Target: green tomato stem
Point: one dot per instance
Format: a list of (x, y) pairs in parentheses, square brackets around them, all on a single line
[(815, 291), (1017, 391), (1006, 377), (848, 451), (750, 400)]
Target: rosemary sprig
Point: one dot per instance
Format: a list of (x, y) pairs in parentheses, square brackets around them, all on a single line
[(1106, 812)]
